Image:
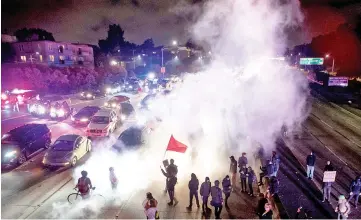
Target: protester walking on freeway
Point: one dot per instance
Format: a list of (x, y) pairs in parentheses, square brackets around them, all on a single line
[(355, 190), (327, 186), (343, 207), (328, 167), (233, 171), (205, 192), (113, 179), (227, 188), (242, 161), (193, 186), (251, 177), (276, 162), (171, 170), (267, 171), (148, 203), (217, 199), (243, 171), (310, 161)]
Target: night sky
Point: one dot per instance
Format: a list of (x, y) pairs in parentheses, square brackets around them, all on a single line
[(87, 21)]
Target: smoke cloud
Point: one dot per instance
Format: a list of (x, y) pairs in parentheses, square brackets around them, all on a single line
[(239, 102)]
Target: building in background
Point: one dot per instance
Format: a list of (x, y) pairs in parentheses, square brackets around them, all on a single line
[(5, 38), (61, 54)]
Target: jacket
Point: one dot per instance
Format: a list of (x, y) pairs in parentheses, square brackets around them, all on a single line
[(205, 189), (193, 185), (226, 184), (242, 161), (270, 169), (311, 160), (243, 172), (328, 168), (233, 167), (251, 177), (274, 186), (171, 181), (355, 186), (267, 215), (276, 160), (216, 194), (172, 170)]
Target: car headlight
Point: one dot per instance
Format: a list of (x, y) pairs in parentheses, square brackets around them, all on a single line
[(61, 113), (52, 110), (108, 90), (114, 105), (84, 119), (130, 87), (123, 117), (10, 153), (32, 108), (89, 95), (82, 94), (7, 102), (41, 110), (106, 104)]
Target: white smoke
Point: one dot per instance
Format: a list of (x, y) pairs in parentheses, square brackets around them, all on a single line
[(240, 99)]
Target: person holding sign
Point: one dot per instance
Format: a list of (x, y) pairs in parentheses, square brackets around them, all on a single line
[(328, 179)]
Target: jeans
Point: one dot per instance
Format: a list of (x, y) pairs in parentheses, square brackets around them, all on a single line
[(171, 195), (195, 194), (341, 216), (327, 193), (250, 188), (310, 170), (243, 184), (218, 210), (204, 203), (356, 195)]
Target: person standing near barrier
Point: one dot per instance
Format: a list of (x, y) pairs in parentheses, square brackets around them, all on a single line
[(310, 161), (233, 171), (217, 199)]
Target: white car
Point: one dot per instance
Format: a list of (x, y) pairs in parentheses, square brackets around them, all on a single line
[(103, 123)]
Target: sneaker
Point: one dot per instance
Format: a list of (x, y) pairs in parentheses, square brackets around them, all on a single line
[(170, 203)]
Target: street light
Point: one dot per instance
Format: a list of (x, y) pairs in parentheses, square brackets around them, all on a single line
[(113, 63), (333, 61)]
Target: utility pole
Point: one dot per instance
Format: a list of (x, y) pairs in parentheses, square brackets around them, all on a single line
[(133, 60)]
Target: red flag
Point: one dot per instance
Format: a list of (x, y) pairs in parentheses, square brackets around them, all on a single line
[(176, 146)]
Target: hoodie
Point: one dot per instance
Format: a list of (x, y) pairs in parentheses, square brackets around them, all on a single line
[(193, 184), (205, 188), (226, 184), (216, 193), (355, 186)]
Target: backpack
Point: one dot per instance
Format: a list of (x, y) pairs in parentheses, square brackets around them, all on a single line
[(83, 185)]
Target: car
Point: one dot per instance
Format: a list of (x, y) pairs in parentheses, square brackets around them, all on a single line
[(8, 99), (146, 102), (115, 101), (43, 107), (103, 123), (67, 150), (90, 95), (112, 89), (21, 143), (84, 115), (132, 138), (127, 110)]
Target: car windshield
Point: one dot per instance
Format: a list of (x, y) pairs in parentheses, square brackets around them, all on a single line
[(100, 120), (63, 145), (88, 110), (127, 108), (131, 137)]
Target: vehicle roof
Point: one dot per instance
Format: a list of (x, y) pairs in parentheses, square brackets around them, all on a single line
[(68, 137), (25, 128), (103, 112)]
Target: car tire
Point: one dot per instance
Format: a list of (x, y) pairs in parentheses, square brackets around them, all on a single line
[(22, 158), (47, 144), (73, 162)]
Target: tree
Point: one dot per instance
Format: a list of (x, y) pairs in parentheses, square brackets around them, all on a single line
[(114, 39), (148, 44), (32, 34)]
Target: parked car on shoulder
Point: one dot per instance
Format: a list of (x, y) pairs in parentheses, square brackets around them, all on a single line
[(67, 150), (22, 143)]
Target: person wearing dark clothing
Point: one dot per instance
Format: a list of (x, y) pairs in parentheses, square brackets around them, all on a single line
[(205, 191), (193, 186), (267, 171), (171, 170), (227, 188), (310, 161), (243, 171), (355, 189), (233, 170), (217, 200), (261, 203), (267, 214), (275, 162), (251, 177), (273, 186), (242, 161), (328, 167), (326, 189), (303, 213), (171, 182)]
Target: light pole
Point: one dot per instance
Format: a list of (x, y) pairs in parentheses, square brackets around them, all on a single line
[(333, 61)]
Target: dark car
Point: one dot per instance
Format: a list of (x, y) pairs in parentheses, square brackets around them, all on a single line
[(21, 143), (146, 102), (132, 138), (115, 101), (67, 150), (84, 115), (127, 110), (90, 94)]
